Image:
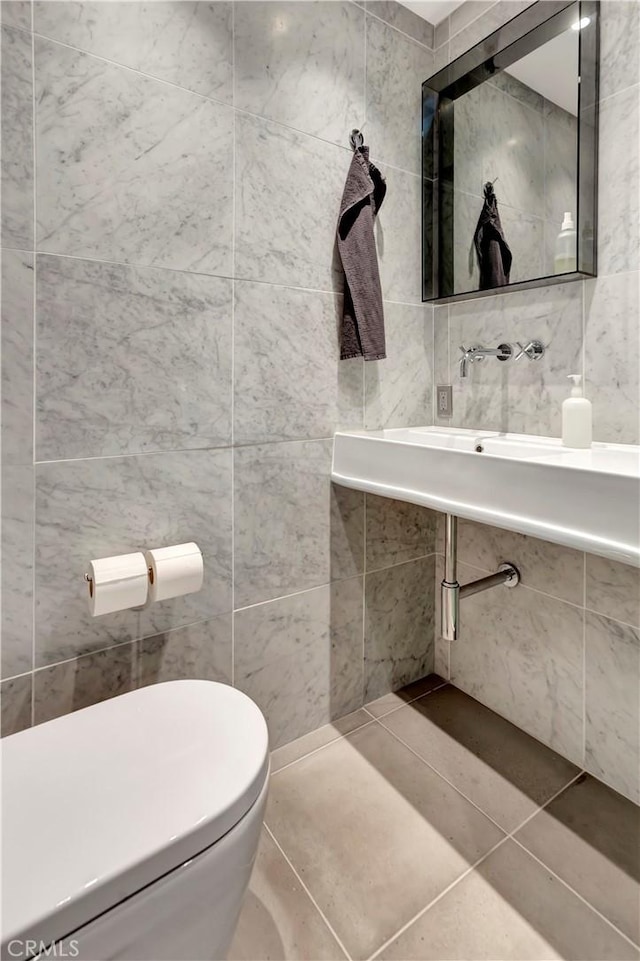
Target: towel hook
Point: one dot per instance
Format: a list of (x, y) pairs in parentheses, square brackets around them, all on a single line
[(356, 139)]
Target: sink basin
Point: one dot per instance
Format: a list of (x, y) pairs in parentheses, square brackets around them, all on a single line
[(585, 499)]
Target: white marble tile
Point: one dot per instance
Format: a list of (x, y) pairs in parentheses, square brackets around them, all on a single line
[(130, 359), (403, 19), (15, 703), (95, 508), (398, 238), (290, 383), (560, 164), (613, 589), (17, 357), (397, 532), (17, 570), (612, 356), (202, 651), (16, 166), (555, 570), (399, 626), (465, 13), (488, 18), (613, 704), (347, 532), (72, 685), (16, 13), (619, 51), (282, 519), (288, 194), (187, 43), (441, 647), (520, 396), (618, 175), (297, 658), (130, 169), (523, 659), (302, 64), (396, 69), (399, 389)]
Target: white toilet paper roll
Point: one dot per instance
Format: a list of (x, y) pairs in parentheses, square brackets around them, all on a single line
[(174, 571), (117, 583)]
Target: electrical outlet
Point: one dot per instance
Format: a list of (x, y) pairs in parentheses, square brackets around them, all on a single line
[(444, 400)]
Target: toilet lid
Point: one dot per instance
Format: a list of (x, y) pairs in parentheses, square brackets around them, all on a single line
[(100, 803)]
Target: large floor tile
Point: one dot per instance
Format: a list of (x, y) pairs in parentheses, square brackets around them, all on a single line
[(185, 42), (130, 169), (104, 506), (302, 64), (201, 651), (313, 741), (496, 765), (282, 519), (399, 626), (288, 194), (289, 381), (612, 704), (590, 836), (510, 909), (523, 659), (279, 921), (374, 833), (157, 342), (396, 699), (16, 223), (300, 658), (15, 698)]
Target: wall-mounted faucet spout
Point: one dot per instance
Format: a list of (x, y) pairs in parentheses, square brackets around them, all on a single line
[(472, 354)]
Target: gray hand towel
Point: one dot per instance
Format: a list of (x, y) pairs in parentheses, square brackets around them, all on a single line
[(492, 250), (362, 333)]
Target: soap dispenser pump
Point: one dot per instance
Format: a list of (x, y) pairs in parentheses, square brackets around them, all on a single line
[(576, 417)]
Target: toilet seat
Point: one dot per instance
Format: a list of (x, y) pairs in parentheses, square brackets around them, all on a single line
[(100, 803)]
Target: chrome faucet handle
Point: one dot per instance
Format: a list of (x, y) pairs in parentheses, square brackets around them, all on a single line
[(534, 350)]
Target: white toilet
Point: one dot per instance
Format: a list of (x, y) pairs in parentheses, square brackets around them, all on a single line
[(129, 828)]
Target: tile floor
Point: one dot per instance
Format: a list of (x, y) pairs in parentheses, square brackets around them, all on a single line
[(424, 826)]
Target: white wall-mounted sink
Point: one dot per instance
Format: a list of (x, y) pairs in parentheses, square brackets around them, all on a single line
[(586, 499)]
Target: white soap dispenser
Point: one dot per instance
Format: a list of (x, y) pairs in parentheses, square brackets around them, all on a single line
[(576, 417), (565, 260)]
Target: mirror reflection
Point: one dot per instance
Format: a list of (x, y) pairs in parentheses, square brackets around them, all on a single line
[(515, 162)]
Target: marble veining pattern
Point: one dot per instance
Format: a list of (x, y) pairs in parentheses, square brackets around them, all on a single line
[(288, 194), (130, 169), (618, 175), (186, 42), (289, 381), (130, 359), (96, 508), (613, 704), (507, 662), (395, 74), (397, 232), (398, 390), (282, 519), (202, 651), (16, 167), (302, 64), (613, 589), (399, 626), (397, 532), (15, 701), (17, 570), (17, 357), (619, 51), (16, 13), (290, 658)]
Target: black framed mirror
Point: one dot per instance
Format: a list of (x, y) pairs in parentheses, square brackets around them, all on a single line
[(509, 133)]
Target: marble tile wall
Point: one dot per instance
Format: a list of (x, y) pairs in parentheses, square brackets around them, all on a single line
[(562, 658), (170, 185)]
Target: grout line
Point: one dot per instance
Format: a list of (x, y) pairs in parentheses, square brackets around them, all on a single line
[(412, 700), (321, 747), (475, 19), (388, 567), (441, 775), (617, 93), (34, 331), (576, 893), (527, 587), (465, 873), (305, 590), (407, 36), (546, 804), (307, 891)]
